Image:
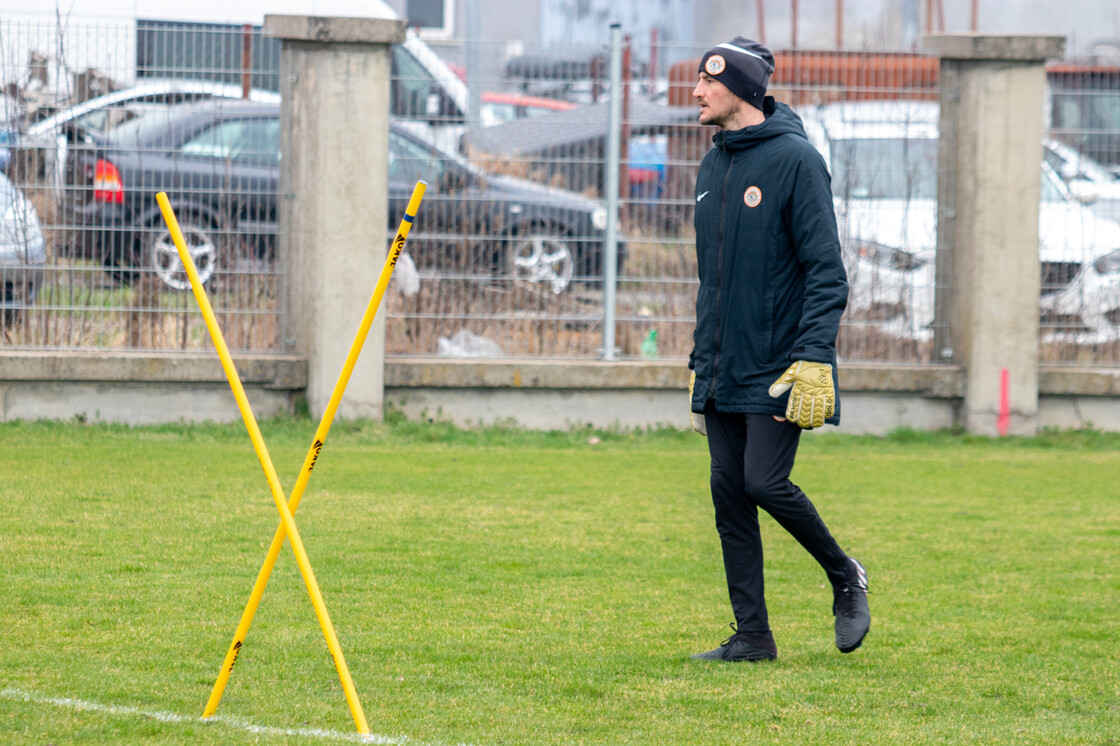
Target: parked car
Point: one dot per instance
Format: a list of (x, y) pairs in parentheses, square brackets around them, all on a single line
[(883, 158), (566, 146), (498, 107), (10, 113), (72, 126), (219, 162), (22, 253), (1088, 180)]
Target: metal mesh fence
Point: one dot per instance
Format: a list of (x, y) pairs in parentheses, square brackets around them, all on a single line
[(873, 116), (544, 117), (535, 129), (510, 246), (1080, 213), (88, 141)]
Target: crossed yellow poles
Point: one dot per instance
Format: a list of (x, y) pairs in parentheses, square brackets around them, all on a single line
[(287, 526)]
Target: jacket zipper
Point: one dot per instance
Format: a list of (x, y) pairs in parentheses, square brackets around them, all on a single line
[(719, 279)]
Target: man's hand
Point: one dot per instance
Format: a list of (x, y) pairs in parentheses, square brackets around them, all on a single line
[(813, 399), (698, 423)]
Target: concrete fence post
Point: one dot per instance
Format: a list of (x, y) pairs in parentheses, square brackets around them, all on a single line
[(334, 80), (992, 98)]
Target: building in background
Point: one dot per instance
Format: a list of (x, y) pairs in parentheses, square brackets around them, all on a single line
[(1093, 26)]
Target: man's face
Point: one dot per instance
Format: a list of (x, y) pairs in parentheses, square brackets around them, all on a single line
[(718, 105)]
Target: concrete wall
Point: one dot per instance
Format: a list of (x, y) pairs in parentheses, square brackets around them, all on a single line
[(874, 399), (144, 389), (141, 389), (638, 395)]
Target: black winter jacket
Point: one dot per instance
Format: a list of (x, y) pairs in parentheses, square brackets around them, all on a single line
[(772, 281)]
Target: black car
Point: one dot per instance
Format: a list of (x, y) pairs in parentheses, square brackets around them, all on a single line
[(219, 163)]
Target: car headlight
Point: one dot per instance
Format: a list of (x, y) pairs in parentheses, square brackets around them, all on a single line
[(599, 218), (1109, 263), (887, 256)]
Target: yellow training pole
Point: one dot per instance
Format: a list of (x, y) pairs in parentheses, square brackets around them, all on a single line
[(316, 446), (266, 462)]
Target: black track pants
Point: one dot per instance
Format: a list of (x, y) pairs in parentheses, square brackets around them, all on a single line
[(752, 457)]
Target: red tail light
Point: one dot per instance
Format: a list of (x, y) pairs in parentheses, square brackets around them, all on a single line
[(107, 186)]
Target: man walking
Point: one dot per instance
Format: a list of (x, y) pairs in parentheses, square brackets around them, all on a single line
[(772, 290)]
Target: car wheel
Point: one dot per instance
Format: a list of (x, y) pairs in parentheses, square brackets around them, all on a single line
[(9, 317), (539, 257), (163, 256), (119, 255)]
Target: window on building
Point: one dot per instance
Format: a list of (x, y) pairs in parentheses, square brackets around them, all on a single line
[(432, 18)]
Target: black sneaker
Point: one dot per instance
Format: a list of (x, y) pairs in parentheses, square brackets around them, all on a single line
[(849, 606), (743, 646)]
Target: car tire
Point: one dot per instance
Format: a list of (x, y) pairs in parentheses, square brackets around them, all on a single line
[(161, 254), (10, 317), (120, 257), (540, 255)]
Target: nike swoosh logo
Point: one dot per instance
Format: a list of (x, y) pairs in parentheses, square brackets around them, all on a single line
[(702, 196)]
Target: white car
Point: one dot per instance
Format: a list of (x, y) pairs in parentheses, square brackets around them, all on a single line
[(883, 159), (1088, 180)]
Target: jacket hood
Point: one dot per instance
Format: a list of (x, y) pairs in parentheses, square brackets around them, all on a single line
[(780, 120)]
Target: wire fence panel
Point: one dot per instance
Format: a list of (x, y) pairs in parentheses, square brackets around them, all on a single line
[(535, 136), (89, 140), (544, 118), (1080, 213), (873, 116), (509, 250)]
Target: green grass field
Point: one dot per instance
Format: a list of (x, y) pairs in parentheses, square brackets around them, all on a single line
[(504, 587)]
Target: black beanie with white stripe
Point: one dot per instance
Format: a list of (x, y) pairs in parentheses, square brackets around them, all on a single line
[(744, 66)]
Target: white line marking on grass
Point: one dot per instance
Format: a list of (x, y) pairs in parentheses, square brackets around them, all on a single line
[(235, 723)]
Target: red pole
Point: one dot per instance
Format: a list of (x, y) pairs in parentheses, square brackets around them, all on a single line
[(975, 24), (246, 60), (761, 21), (839, 24), (1004, 418), (653, 56)]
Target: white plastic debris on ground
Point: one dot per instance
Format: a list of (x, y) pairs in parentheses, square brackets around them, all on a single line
[(405, 276), (465, 344)]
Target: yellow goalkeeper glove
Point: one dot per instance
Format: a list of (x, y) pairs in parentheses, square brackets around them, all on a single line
[(698, 423), (813, 398)]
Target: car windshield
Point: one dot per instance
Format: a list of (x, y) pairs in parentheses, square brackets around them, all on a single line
[(109, 118), (143, 129), (1051, 191), (1070, 165), (247, 140), (7, 193), (409, 160), (884, 168)]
